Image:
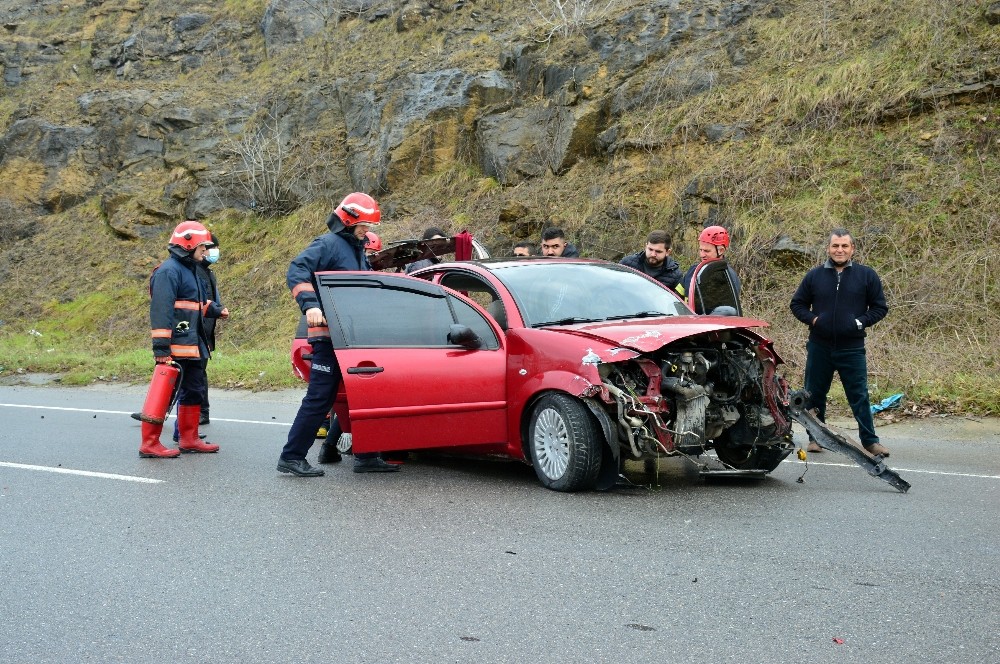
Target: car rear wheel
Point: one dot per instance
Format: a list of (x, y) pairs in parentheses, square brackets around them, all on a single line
[(565, 444)]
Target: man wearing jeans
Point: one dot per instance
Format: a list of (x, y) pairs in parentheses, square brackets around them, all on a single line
[(839, 300)]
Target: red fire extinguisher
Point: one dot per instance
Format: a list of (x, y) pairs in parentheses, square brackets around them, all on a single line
[(161, 392)]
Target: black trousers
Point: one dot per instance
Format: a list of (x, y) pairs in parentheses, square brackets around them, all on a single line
[(324, 381), (194, 382)]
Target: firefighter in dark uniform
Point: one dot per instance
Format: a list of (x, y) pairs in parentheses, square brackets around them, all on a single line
[(343, 248), (178, 307)]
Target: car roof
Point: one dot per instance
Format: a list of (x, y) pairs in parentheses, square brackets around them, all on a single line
[(520, 261)]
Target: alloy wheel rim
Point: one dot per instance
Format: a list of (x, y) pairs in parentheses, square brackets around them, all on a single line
[(551, 443)]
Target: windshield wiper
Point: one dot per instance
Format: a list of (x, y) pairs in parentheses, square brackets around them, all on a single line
[(566, 321), (640, 314)]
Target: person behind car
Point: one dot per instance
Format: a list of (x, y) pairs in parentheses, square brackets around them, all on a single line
[(839, 300), (523, 249), (554, 244), (655, 261), (431, 233), (373, 243), (342, 248), (178, 307), (713, 243)]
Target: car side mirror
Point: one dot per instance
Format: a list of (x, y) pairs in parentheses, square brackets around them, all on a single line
[(462, 335)]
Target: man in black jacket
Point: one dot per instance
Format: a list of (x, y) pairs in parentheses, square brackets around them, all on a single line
[(554, 244), (655, 261), (839, 300), (343, 248)]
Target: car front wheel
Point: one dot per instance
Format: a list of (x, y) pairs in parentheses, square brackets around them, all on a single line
[(565, 444)]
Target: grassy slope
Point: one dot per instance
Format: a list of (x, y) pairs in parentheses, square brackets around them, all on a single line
[(830, 141)]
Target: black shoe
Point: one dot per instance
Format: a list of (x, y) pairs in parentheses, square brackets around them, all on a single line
[(203, 419), (328, 453), (136, 416), (177, 437), (299, 467), (374, 465)]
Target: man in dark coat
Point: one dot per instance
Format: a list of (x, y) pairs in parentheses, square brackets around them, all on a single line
[(178, 308), (839, 300), (554, 244), (655, 261)]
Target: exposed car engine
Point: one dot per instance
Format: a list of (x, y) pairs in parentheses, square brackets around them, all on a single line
[(708, 393)]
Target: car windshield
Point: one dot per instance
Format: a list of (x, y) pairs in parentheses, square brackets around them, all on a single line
[(560, 293)]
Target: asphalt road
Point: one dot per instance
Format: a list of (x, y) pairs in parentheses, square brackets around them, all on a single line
[(218, 558)]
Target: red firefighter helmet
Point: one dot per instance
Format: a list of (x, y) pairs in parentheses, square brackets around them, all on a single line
[(358, 208), (715, 235), (374, 242), (190, 234)]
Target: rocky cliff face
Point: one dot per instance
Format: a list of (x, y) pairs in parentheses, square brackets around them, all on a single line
[(776, 118), (156, 107)]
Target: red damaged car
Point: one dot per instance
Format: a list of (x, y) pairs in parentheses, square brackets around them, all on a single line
[(572, 366)]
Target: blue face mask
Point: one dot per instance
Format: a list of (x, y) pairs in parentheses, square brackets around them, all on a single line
[(212, 255)]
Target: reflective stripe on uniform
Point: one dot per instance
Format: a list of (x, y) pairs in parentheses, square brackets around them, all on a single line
[(184, 351), (187, 304), (318, 332), (161, 333), (304, 287)]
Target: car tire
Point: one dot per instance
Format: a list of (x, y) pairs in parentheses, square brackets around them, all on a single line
[(564, 443)]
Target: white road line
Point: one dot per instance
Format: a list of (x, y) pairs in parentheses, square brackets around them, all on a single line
[(895, 469), (85, 473), (125, 412), (287, 424)]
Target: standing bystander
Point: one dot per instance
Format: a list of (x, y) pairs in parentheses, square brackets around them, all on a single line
[(432, 233), (655, 261), (554, 244), (523, 249), (839, 300)]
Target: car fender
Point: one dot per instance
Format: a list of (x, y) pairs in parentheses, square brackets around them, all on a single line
[(523, 397)]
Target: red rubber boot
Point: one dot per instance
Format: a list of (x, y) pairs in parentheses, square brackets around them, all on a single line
[(150, 446), (187, 425)]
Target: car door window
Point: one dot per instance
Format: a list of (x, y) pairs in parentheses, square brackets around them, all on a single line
[(389, 317), (714, 290), (466, 315), (372, 313)]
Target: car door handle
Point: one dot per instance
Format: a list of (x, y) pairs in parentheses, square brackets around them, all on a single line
[(365, 370)]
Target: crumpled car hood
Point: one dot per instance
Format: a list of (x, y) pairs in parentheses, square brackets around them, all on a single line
[(649, 334)]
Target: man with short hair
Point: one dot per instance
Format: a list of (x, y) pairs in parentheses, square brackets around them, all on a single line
[(554, 244), (839, 300), (656, 261), (430, 233), (523, 248)]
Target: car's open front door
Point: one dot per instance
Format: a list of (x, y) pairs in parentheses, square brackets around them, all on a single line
[(712, 290), (422, 367)]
